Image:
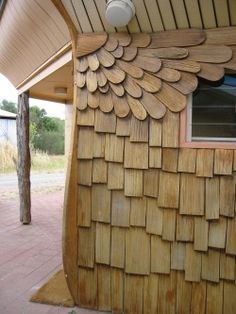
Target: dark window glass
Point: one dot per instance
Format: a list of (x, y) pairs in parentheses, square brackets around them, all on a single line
[(214, 110), (2, 5)]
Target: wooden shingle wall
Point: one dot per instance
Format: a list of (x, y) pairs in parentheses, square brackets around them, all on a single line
[(156, 223), (151, 229)]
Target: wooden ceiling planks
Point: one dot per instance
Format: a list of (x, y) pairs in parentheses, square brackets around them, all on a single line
[(180, 13), (82, 16), (193, 13), (133, 26), (232, 10), (91, 11), (72, 13), (167, 14), (30, 34), (222, 13), (142, 16), (45, 23), (101, 8), (155, 15), (207, 13)]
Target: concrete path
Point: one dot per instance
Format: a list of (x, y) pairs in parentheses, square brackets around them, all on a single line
[(30, 254)]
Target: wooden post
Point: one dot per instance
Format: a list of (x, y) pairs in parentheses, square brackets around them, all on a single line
[(23, 160)]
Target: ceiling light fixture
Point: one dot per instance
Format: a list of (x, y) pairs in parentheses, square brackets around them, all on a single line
[(60, 91), (119, 12)]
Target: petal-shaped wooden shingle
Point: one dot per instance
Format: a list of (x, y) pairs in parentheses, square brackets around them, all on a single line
[(87, 43), (137, 108), (129, 53), (182, 65), (101, 78), (105, 102), (131, 67), (153, 106), (171, 98), (81, 79), (210, 53), (166, 53), (105, 58), (93, 62), (211, 72), (168, 75), (114, 75), (82, 65), (82, 99), (124, 39), (132, 88), (178, 38), (118, 89), (149, 83), (140, 40), (187, 84), (118, 52), (93, 100), (91, 81), (104, 89), (149, 64), (121, 106), (111, 44)]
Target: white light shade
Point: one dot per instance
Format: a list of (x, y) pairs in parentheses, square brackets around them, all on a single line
[(119, 12)]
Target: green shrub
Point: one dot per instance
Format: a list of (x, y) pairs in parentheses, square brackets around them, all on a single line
[(51, 142)]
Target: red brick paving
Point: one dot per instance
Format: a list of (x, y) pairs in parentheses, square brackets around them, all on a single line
[(30, 254)]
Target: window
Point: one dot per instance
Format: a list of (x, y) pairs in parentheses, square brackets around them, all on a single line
[(212, 111), (2, 5)]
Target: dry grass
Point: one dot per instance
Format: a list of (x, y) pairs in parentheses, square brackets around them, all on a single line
[(8, 155), (40, 161)]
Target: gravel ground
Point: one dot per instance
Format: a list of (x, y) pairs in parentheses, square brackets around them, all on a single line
[(40, 183)]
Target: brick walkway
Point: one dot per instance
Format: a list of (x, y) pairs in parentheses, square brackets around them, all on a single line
[(29, 255)]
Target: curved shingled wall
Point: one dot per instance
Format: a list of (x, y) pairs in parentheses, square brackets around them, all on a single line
[(156, 227)]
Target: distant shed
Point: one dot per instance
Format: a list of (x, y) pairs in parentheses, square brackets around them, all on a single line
[(7, 127)]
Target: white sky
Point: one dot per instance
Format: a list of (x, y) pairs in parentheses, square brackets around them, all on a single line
[(8, 92)]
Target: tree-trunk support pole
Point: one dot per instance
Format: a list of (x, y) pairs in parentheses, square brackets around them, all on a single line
[(23, 160)]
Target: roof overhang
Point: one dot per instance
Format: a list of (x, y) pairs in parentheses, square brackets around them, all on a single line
[(32, 32), (55, 75), (54, 83)]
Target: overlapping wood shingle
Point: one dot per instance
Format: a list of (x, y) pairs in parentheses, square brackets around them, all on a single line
[(153, 218)]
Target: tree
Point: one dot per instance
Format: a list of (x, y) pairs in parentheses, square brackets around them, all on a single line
[(37, 117), (8, 106), (46, 133)]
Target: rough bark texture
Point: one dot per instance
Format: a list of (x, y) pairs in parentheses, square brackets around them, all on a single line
[(23, 162)]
